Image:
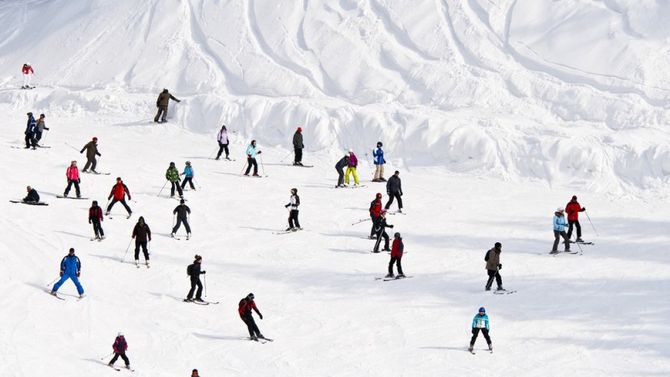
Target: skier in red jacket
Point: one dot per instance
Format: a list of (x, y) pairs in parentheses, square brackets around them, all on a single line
[(27, 70), (397, 249), (120, 347), (246, 305), (572, 209), (375, 212), (119, 191), (95, 217)]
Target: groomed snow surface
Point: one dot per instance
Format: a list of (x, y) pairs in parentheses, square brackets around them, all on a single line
[(495, 112)]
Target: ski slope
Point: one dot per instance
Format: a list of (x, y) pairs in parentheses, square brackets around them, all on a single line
[(495, 113)]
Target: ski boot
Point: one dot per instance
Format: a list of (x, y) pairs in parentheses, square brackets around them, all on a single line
[(579, 239), (472, 346), (389, 276), (500, 289), (253, 337), (490, 347), (400, 276), (137, 263), (172, 235), (188, 236), (199, 300)]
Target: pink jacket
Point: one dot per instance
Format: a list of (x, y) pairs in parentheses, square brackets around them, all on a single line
[(72, 173)]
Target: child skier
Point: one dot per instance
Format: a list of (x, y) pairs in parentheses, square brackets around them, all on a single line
[(480, 323), (91, 149), (341, 164), (95, 217), (39, 129), (293, 204), (252, 151), (70, 268), (182, 211), (222, 139), (193, 271), (142, 235), (493, 266), (120, 347), (72, 175), (379, 162), (119, 191), (397, 250), (244, 309), (573, 208), (351, 168), (380, 231), (188, 176), (172, 175), (559, 231)]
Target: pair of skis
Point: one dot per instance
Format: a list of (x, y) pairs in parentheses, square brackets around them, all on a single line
[(203, 302), (393, 278)]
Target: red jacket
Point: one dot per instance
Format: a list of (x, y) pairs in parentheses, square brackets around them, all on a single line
[(120, 345), (376, 208), (397, 248), (573, 209), (95, 213), (119, 191), (26, 69), (246, 306)]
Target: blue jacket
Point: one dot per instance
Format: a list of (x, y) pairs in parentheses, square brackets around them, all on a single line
[(378, 155), (30, 126), (70, 265), (252, 151), (188, 171), (560, 223), (480, 321)]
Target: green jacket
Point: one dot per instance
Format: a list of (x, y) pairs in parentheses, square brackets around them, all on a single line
[(172, 175)]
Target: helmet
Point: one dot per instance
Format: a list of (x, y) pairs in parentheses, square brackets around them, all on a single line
[(299, 129), (71, 250), (171, 163), (397, 235), (188, 162), (379, 144), (251, 296), (482, 310), (379, 195)]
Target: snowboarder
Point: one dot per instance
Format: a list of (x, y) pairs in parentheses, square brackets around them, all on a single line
[(397, 250), (28, 71), (298, 146), (91, 149), (72, 175), (31, 128), (341, 164), (351, 169), (252, 151), (375, 212), (480, 323), (193, 271), (120, 347), (379, 161), (162, 104), (172, 175), (182, 211), (294, 202), (493, 266), (70, 268), (32, 197), (559, 231), (119, 191), (394, 190), (95, 217), (39, 129), (188, 176), (222, 139), (573, 208), (244, 308), (142, 235), (380, 231)]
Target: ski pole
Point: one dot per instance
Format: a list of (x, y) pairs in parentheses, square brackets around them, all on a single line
[(70, 145), (106, 356), (159, 193), (244, 166), (581, 251), (591, 222), (262, 166), (212, 154), (197, 184), (205, 278), (127, 248), (360, 221), (284, 158), (52, 282)]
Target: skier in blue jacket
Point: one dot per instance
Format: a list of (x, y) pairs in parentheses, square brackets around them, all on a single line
[(560, 223), (480, 323), (31, 129), (70, 268), (188, 176), (252, 151), (379, 162)]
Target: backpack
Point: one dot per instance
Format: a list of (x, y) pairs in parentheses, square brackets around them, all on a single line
[(189, 270), (486, 257), (297, 200)]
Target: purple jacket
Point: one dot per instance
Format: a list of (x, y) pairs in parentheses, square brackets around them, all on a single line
[(353, 161)]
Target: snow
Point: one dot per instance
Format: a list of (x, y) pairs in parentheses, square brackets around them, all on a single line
[(495, 113)]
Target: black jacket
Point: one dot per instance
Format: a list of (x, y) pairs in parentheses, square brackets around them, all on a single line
[(297, 140), (142, 232), (182, 210), (33, 196), (343, 163), (381, 225), (393, 185), (194, 270)]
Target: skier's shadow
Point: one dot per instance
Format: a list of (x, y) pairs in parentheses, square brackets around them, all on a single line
[(219, 337), (73, 234), (115, 259), (444, 348), (48, 289)]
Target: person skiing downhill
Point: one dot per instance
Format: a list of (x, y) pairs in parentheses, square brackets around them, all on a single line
[(120, 347), (341, 164), (380, 232), (172, 175), (397, 250), (162, 105), (194, 272), (91, 149), (298, 146), (142, 235), (252, 151), (30, 132), (573, 208), (32, 197), (244, 308), (95, 217), (351, 169), (70, 268), (293, 204), (493, 266), (119, 191), (188, 176), (28, 72), (72, 175), (39, 129), (559, 231), (222, 139), (379, 161), (480, 323), (394, 190), (375, 212), (182, 211)]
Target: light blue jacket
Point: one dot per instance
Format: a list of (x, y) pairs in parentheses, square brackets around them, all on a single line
[(378, 155), (188, 171), (252, 151), (560, 223), (480, 321), (70, 265)]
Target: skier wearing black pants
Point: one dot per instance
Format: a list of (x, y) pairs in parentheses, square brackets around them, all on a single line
[(380, 231), (142, 235), (95, 217), (493, 266), (394, 190), (194, 273), (182, 211), (342, 164), (480, 323), (120, 347), (397, 251), (222, 139), (246, 305), (294, 202), (298, 146)]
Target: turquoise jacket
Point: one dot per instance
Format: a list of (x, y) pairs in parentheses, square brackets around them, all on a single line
[(188, 171), (480, 321), (560, 223), (252, 151)]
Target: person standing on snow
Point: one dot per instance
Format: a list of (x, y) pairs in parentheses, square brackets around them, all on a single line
[(252, 151), (182, 211), (72, 175), (31, 128), (379, 161), (298, 146), (293, 204), (397, 250), (351, 169), (380, 231), (119, 191), (480, 323), (172, 175), (32, 197), (244, 308), (341, 164), (493, 266), (188, 176), (120, 347), (40, 126), (162, 104), (193, 271), (573, 208), (559, 231), (95, 217), (375, 212), (91, 149), (142, 235), (394, 190), (222, 139), (70, 268), (27, 71)]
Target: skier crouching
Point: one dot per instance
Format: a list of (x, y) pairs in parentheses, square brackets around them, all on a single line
[(246, 305)]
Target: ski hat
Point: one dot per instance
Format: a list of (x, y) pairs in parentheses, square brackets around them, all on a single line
[(482, 310), (71, 251), (95, 202), (379, 195), (379, 144), (95, 138), (118, 179), (188, 163), (396, 235), (294, 190), (27, 63), (559, 209), (251, 296), (171, 163), (181, 201), (73, 162), (574, 197), (29, 114), (299, 129), (198, 257), (165, 90), (42, 116), (120, 333), (498, 244)]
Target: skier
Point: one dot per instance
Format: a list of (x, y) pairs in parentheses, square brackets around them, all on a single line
[(72, 175), (142, 235), (30, 132), (95, 217), (244, 308), (397, 250), (91, 149), (193, 271), (573, 208), (70, 268), (172, 175), (28, 71), (222, 139), (493, 266), (351, 169), (188, 176), (380, 231), (120, 347), (252, 151), (375, 212), (298, 146), (39, 129), (341, 164), (559, 231), (32, 197), (294, 202), (394, 190), (480, 323), (378, 155), (182, 211), (162, 104), (119, 191)]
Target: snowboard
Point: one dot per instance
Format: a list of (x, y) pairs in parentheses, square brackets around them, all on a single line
[(29, 203)]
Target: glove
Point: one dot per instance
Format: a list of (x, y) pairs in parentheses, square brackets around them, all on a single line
[(78, 273), (61, 273), (500, 266), (89, 221), (109, 198), (204, 272), (260, 315), (178, 100), (78, 180), (388, 193), (583, 208), (259, 152), (390, 226), (129, 198)]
